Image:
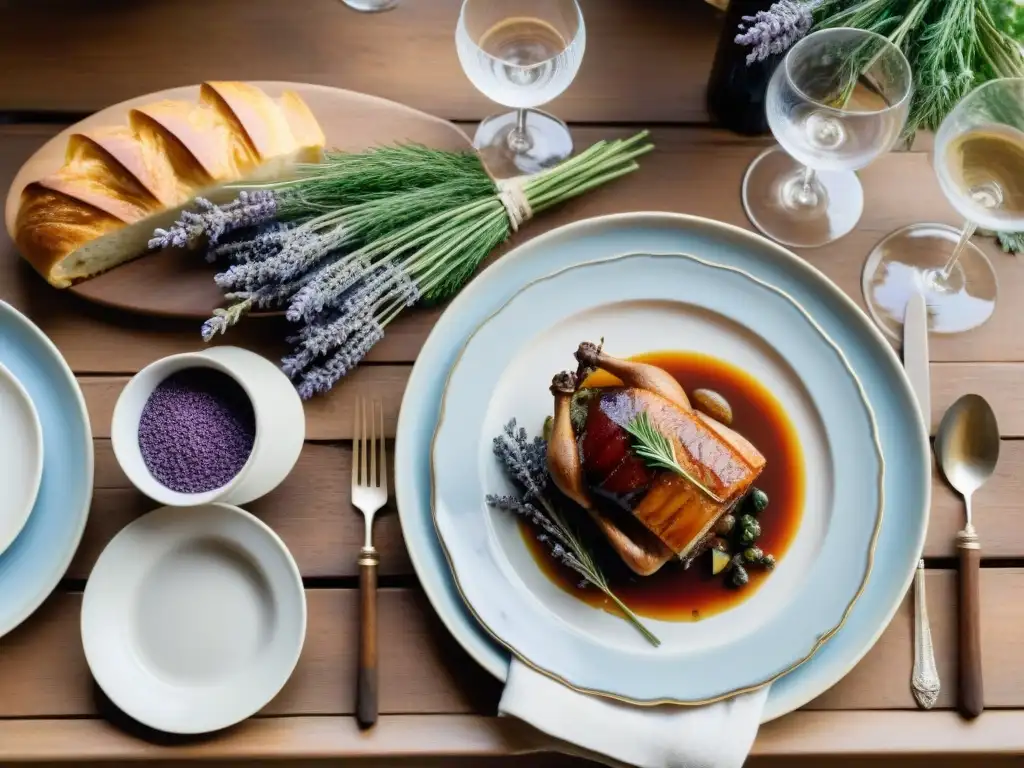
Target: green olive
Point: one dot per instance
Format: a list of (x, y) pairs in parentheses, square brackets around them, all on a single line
[(713, 404), (725, 524)]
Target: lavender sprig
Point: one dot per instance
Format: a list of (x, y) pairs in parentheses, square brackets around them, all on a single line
[(271, 295), (300, 252), (525, 461), (776, 30), (266, 242), (331, 282), (322, 377), (251, 209)]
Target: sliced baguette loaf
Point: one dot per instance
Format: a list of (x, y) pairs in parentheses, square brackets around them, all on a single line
[(120, 183)]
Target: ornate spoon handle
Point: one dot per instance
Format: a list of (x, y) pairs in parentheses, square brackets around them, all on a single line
[(925, 679)]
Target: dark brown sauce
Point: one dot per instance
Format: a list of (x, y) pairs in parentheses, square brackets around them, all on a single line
[(674, 593)]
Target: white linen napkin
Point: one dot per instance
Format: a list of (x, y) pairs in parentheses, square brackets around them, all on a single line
[(714, 736)]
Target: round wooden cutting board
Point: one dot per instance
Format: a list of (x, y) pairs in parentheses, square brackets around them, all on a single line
[(177, 283)]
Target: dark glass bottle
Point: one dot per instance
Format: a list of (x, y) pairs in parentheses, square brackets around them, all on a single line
[(736, 90)]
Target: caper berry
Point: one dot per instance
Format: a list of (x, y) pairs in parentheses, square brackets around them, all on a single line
[(768, 561), (750, 529), (758, 501), (753, 555), (720, 544), (725, 525), (739, 576)]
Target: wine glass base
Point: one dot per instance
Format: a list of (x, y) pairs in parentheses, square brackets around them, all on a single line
[(772, 189), (910, 260), (549, 143)]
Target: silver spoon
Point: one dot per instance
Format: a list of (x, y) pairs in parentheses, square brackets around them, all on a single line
[(967, 445)]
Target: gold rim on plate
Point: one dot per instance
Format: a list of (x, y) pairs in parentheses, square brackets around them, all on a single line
[(822, 639)]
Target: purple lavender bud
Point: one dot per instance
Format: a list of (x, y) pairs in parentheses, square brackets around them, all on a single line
[(318, 339), (321, 378), (250, 209), (252, 247), (328, 286), (776, 30), (299, 253)]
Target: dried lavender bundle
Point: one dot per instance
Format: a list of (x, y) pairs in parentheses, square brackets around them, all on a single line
[(525, 462), (347, 245), (775, 31)]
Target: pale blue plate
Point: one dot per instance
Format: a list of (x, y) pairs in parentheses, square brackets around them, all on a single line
[(902, 433), (33, 565)]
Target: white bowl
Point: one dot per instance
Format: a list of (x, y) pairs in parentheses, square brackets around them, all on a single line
[(21, 457), (193, 619), (280, 426)]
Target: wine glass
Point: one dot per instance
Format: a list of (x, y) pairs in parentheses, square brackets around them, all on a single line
[(979, 159), (837, 102), (371, 6), (521, 54)]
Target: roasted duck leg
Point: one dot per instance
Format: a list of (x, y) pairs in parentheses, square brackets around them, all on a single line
[(647, 514)]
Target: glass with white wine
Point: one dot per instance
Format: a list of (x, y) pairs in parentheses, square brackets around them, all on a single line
[(979, 160), (521, 54), (838, 101)]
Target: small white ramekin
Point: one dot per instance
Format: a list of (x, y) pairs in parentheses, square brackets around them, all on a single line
[(280, 426)]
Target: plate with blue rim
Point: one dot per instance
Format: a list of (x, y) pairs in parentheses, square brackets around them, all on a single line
[(37, 559), (667, 263)]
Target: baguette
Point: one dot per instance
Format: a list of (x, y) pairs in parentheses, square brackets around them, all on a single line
[(119, 183)]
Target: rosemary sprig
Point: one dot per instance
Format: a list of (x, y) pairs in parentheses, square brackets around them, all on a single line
[(657, 451), (525, 462)]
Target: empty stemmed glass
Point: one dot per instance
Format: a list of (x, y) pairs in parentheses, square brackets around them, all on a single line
[(837, 102), (979, 160), (521, 54)]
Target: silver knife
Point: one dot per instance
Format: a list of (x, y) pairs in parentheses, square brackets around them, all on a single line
[(924, 680)]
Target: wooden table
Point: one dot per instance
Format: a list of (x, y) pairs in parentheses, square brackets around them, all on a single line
[(646, 65)]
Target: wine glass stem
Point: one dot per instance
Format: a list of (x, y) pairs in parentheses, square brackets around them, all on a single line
[(518, 138), (965, 236)]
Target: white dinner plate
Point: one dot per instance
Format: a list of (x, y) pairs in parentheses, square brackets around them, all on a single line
[(903, 437), (193, 618), (641, 303), (21, 457)]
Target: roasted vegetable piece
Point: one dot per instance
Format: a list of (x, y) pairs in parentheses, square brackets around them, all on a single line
[(713, 404), (719, 561), (738, 576), (725, 525)]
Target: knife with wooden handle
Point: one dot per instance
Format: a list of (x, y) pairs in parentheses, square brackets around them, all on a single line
[(924, 680)]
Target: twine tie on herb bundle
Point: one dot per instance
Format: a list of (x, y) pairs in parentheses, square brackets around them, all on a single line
[(346, 245), (517, 204)]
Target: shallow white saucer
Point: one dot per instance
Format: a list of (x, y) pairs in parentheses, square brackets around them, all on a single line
[(21, 457), (193, 619)]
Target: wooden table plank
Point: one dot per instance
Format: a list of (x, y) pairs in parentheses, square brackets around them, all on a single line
[(801, 740), (311, 513), (648, 65), (423, 670), (695, 171)]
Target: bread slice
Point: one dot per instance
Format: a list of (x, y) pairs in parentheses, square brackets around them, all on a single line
[(120, 183)]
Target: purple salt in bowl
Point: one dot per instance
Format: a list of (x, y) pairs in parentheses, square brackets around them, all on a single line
[(221, 425)]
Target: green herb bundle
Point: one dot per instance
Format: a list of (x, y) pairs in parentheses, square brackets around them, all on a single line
[(347, 244)]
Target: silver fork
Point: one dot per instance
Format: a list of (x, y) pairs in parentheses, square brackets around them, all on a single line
[(369, 494)]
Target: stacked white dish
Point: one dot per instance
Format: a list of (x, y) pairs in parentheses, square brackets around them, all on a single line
[(755, 304)]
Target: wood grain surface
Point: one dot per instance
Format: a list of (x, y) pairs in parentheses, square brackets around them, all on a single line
[(645, 62), (423, 670), (645, 67)]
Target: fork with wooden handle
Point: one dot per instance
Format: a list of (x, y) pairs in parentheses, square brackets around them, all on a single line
[(369, 494)]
